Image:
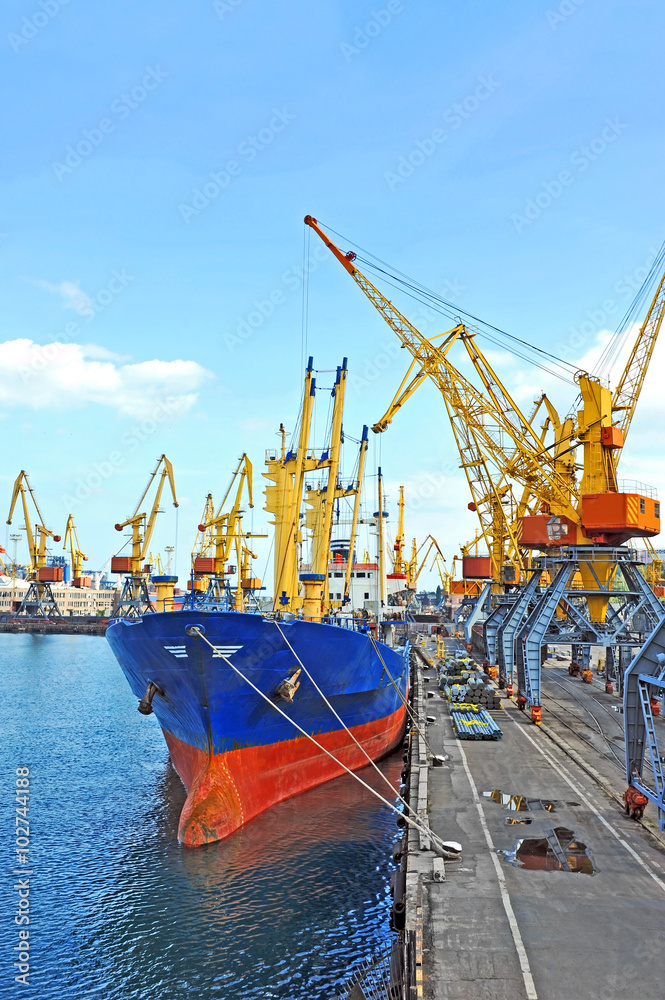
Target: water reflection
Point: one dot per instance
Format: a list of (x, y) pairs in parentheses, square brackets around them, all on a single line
[(557, 850), (519, 803)]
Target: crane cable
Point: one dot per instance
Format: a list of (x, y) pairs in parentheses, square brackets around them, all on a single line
[(616, 343), (427, 296), (454, 313), (417, 824)]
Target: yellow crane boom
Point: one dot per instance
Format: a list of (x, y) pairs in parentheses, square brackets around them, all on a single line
[(36, 541), (78, 557), (223, 528), (143, 524), (627, 392)]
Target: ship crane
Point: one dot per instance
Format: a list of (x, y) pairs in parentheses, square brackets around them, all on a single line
[(39, 601), (78, 557), (135, 600)]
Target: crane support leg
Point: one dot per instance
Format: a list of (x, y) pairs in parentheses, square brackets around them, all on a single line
[(644, 679), (479, 608), (531, 636), (134, 600), (505, 640), (39, 602), (491, 627)]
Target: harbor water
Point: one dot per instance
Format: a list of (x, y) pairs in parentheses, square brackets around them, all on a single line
[(285, 908)]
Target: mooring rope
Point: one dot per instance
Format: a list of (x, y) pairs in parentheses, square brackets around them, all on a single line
[(383, 776), (412, 715), (409, 820)]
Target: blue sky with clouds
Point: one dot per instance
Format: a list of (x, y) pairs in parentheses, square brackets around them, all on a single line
[(157, 162)]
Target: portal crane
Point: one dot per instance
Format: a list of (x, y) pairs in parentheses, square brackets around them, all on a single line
[(478, 423), (603, 515), (78, 557), (417, 563), (599, 515), (39, 601), (135, 600), (222, 533), (400, 565)]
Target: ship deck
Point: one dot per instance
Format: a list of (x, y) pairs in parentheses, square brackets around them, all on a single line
[(495, 930)]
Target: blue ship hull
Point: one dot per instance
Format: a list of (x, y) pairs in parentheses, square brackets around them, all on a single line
[(235, 753)]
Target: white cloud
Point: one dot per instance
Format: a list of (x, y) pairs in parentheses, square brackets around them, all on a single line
[(71, 295), (64, 376)]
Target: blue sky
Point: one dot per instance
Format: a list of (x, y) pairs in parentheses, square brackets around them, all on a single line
[(157, 162)]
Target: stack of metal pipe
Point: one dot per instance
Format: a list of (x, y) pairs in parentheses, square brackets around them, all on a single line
[(471, 722)]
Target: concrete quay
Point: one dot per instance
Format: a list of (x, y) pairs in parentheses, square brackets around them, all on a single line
[(495, 927)]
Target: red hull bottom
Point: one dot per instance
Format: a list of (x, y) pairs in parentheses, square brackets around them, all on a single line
[(227, 790)]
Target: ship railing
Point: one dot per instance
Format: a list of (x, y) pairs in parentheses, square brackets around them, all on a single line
[(354, 624)]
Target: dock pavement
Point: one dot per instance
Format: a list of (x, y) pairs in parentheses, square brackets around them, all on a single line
[(499, 926)]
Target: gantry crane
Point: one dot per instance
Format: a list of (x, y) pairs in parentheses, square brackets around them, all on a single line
[(600, 515), (135, 600), (39, 601), (78, 557)]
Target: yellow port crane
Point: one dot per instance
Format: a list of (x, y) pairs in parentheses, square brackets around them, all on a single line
[(39, 600), (495, 427), (399, 563), (77, 556), (204, 542), (221, 534), (418, 563), (653, 571), (135, 600), (493, 424)]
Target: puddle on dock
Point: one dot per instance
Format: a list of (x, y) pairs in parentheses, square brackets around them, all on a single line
[(556, 851), (519, 803), (511, 821)]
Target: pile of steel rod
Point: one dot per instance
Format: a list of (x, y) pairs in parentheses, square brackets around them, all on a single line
[(471, 722)]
